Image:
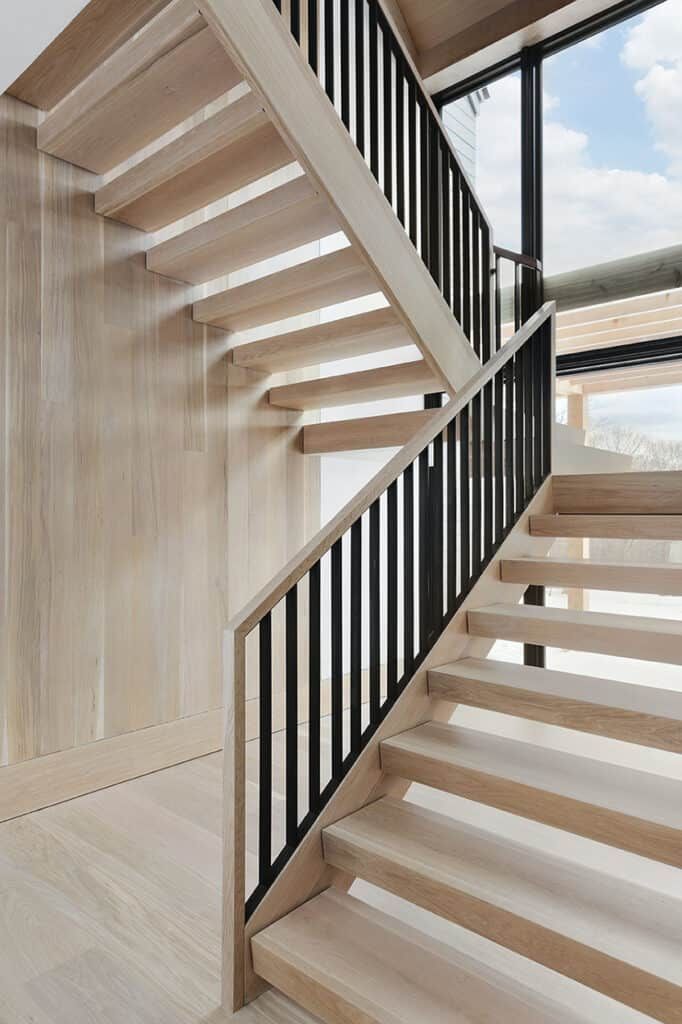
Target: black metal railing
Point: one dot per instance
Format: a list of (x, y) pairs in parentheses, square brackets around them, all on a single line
[(347, 625), (371, 81), (518, 297)]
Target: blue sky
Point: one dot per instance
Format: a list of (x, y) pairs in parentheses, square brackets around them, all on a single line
[(596, 93)]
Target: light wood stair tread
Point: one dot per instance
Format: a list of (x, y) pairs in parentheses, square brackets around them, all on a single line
[(622, 493), (636, 713), (340, 958), (349, 336), (619, 527), (311, 285), (290, 215), (634, 810), (635, 577), (166, 72), (394, 381), (232, 148), (618, 937), (625, 636), (390, 430)]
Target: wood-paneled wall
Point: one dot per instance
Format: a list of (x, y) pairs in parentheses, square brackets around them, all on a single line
[(147, 488)]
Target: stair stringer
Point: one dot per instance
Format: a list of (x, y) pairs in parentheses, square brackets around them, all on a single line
[(257, 40), (307, 874)]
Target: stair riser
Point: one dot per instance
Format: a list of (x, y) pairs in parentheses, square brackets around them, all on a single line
[(638, 989), (620, 642), (645, 838), (616, 723)]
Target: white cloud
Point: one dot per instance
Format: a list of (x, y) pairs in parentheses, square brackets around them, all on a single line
[(592, 213), (657, 38)]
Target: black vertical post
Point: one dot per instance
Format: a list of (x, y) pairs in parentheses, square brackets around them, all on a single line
[(533, 654), (531, 236)]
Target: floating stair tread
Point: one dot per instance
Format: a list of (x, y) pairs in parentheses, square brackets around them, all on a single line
[(358, 335), (395, 381), (634, 810), (622, 493), (166, 72), (389, 431), (626, 636), (232, 148), (282, 219), (648, 715), (618, 937), (323, 281), (635, 577), (619, 527), (344, 960)]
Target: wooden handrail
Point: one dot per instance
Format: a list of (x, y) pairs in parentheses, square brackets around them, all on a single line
[(277, 589), (517, 257)]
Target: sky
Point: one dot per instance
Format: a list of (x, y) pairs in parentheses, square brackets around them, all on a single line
[(613, 145)]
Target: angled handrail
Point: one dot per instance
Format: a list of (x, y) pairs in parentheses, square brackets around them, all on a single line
[(337, 635), (371, 79)]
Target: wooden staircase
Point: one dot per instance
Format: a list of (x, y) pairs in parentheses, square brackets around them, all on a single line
[(171, 123), (618, 936)]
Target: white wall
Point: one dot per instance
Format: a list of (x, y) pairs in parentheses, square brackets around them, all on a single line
[(27, 28)]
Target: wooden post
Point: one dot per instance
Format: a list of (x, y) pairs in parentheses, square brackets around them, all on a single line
[(234, 825)]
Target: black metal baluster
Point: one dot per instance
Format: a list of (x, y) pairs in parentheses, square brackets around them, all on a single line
[(498, 304), (392, 590), (344, 48), (464, 501), (517, 297), (446, 214), (488, 500), (435, 199), (476, 275), (528, 395), (412, 160), (291, 715), (360, 6), (424, 184), (424, 562), (337, 658), (388, 115), (436, 509), (548, 416), (466, 264), (313, 35), (538, 387), (476, 482), (329, 64), (451, 472), (314, 682), (499, 454), (374, 612), (265, 750), (400, 137), (373, 89), (295, 16), (408, 559), (356, 637), (509, 484), (519, 427), (486, 312), (456, 241)]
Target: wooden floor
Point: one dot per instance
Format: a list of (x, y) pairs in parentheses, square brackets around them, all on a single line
[(110, 908)]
